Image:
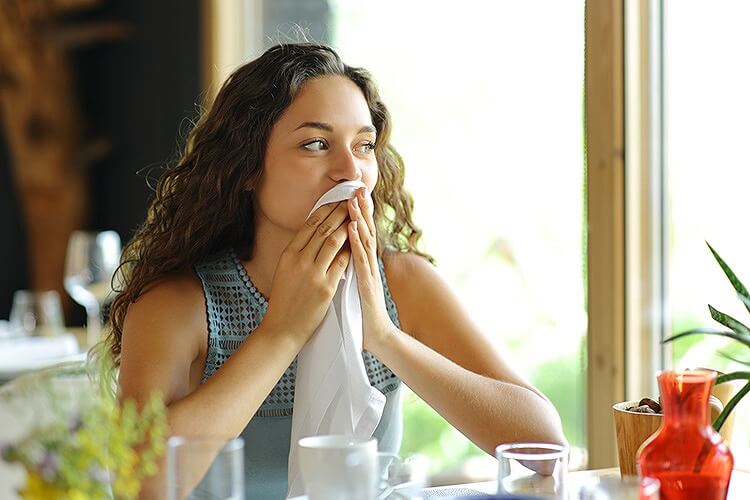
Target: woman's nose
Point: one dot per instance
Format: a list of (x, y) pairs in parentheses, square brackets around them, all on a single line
[(345, 167)]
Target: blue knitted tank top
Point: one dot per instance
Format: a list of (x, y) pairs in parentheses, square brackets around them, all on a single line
[(234, 309)]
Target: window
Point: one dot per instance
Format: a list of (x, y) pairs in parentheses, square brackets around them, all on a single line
[(487, 113), (706, 128)]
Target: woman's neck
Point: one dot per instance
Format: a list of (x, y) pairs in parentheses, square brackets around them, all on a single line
[(270, 242)]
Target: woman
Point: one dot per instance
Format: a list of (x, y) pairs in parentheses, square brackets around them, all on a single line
[(228, 278)]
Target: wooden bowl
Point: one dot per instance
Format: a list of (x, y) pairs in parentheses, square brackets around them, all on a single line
[(632, 429)]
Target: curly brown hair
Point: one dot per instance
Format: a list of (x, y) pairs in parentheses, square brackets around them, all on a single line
[(204, 202)]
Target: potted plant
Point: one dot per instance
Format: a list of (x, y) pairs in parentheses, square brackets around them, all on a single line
[(733, 329), (636, 421)]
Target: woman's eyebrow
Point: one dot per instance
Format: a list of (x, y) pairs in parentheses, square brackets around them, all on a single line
[(329, 128)]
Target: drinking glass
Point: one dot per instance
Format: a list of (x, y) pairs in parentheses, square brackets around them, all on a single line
[(205, 468), (627, 488), (36, 313), (90, 264), (536, 469), (402, 478), (339, 467)]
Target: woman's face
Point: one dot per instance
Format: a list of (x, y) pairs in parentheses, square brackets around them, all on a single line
[(323, 138)]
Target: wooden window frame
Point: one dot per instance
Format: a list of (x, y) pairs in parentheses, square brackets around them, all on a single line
[(626, 206), (232, 33), (605, 181)]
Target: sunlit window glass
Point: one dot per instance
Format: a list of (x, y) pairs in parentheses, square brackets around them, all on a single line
[(707, 104)]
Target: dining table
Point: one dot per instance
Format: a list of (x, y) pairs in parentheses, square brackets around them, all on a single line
[(739, 485)]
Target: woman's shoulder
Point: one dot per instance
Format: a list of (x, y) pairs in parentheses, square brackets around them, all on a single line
[(180, 290), (431, 311), (400, 264), (164, 338), (174, 303), (411, 280)]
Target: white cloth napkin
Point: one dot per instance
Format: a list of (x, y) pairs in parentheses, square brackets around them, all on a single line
[(333, 394), (21, 354)]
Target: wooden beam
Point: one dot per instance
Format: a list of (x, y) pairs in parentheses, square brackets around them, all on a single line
[(43, 130), (606, 225), (43, 126), (232, 35)]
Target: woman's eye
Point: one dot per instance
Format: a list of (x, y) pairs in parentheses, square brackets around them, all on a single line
[(316, 145), (366, 147)]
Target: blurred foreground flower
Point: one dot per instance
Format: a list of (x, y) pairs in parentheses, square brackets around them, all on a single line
[(103, 450)]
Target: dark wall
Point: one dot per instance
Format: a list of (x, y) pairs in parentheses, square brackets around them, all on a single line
[(13, 275), (137, 92)]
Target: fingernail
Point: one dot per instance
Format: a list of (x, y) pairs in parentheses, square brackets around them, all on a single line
[(356, 203), (354, 226)]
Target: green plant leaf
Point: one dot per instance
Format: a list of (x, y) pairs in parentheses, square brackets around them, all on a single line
[(732, 358), (728, 321), (728, 377), (745, 299), (739, 337), (736, 283), (719, 422)]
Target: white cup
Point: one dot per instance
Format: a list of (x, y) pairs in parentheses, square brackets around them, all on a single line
[(339, 467)]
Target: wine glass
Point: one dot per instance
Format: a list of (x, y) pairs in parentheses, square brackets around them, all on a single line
[(204, 467), (36, 313), (90, 264)]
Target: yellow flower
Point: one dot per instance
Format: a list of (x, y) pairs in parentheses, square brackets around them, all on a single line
[(38, 489), (106, 447)]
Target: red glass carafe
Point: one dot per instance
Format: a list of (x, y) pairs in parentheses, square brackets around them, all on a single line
[(688, 457)]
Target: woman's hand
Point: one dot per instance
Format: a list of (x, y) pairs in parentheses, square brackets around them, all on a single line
[(376, 324), (309, 271)]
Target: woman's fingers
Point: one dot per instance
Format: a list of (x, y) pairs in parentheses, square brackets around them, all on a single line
[(359, 256), (364, 236), (304, 235), (325, 231), (330, 247), (364, 204), (339, 264)]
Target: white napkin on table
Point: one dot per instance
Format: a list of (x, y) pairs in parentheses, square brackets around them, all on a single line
[(333, 394), (22, 354), (20, 351)]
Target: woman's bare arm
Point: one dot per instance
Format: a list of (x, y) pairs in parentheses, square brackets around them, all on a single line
[(447, 361), (164, 348)]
